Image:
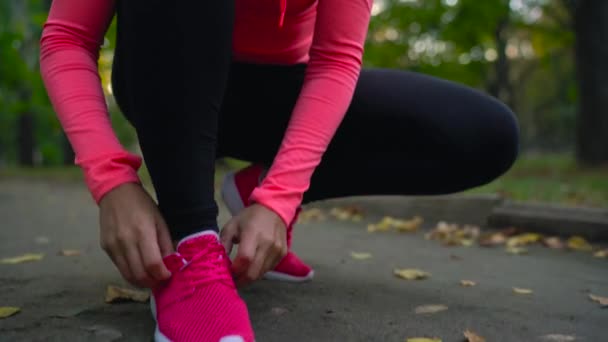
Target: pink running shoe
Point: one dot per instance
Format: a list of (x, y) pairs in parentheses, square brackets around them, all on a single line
[(236, 190), (199, 303)]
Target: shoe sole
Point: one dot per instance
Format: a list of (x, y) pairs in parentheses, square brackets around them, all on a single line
[(274, 275), (160, 337)]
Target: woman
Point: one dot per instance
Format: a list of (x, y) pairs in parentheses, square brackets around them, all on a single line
[(268, 81)]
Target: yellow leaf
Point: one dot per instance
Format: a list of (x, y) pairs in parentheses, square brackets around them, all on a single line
[(118, 294), (523, 239), (603, 301), (311, 215), (422, 339), (406, 226), (8, 311), (22, 258), (467, 283), (69, 252), (521, 291), (578, 243), (516, 250), (601, 254), (473, 337), (360, 256), (411, 274), (430, 309)]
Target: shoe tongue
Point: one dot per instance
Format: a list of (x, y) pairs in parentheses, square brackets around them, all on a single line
[(190, 245)]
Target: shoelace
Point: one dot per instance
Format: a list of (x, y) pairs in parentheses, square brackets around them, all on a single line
[(208, 265)]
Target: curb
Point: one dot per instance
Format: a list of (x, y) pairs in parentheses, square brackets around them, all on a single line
[(489, 211)]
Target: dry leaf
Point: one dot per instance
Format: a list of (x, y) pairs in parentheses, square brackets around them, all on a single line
[(453, 234), (601, 253), (492, 239), (8, 311), (467, 283), (411, 274), (523, 239), (422, 339), (119, 294), (558, 338), (406, 226), (522, 291), (473, 337), (22, 258), (383, 226), (360, 256), (353, 213), (578, 243), (602, 300), (69, 252), (553, 242), (516, 250), (311, 215), (430, 309)]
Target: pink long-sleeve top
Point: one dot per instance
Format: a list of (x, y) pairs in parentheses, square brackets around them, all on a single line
[(327, 34)]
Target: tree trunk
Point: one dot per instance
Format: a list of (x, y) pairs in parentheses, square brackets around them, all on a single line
[(591, 27), (25, 139), (500, 87)]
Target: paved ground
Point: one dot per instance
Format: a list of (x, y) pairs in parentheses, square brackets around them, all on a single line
[(349, 300)]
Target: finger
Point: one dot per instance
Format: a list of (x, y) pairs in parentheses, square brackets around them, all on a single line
[(152, 259), (255, 269), (164, 237), (123, 267), (245, 254), (229, 234), (136, 266)]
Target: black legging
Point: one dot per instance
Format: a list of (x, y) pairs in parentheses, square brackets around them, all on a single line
[(404, 133)]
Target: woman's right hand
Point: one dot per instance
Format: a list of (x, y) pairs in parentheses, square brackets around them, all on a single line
[(134, 235)]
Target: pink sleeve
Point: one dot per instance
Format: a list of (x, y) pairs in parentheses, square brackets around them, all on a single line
[(331, 77), (69, 51)]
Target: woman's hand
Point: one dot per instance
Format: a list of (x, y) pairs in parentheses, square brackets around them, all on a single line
[(261, 235), (134, 235)]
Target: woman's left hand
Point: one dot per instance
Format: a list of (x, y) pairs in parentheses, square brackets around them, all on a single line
[(261, 235)]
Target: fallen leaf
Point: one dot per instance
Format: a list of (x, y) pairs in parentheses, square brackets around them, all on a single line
[(521, 291), (467, 283), (510, 231), (353, 213), (523, 239), (69, 252), (473, 337), (603, 301), (601, 253), (360, 256), (116, 294), (411, 274), (383, 226), (492, 239), (578, 243), (516, 250), (279, 311), (22, 258), (553, 242), (8, 311), (430, 309), (311, 215), (42, 240), (558, 338), (450, 234), (422, 339), (406, 226)]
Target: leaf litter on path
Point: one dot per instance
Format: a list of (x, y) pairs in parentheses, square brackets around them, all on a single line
[(411, 274), (473, 337), (430, 309), (311, 215), (352, 213), (553, 242), (403, 226), (8, 311), (360, 255), (603, 301), (578, 243), (451, 234), (601, 254), (523, 239), (29, 257), (115, 294), (522, 291)]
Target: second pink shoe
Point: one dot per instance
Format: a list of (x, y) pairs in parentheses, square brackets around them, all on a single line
[(236, 189)]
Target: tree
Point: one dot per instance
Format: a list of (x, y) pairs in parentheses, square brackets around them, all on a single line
[(591, 27)]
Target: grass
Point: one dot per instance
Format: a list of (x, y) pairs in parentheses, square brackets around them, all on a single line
[(545, 178)]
